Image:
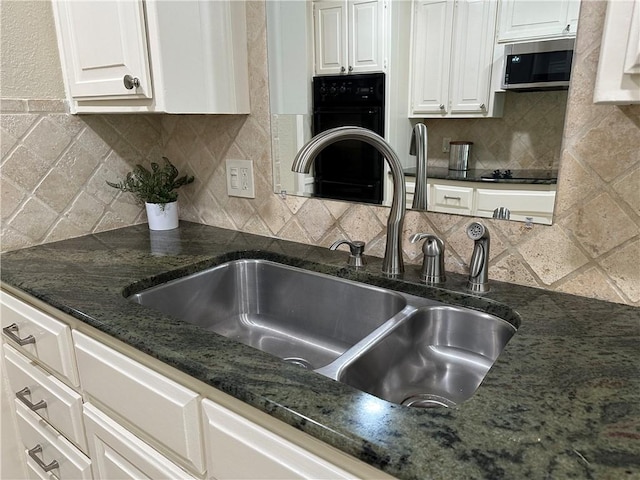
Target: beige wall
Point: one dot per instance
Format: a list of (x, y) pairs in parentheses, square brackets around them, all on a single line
[(592, 249), (29, 64)]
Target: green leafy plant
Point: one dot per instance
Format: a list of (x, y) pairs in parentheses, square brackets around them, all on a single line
[(157, 185)]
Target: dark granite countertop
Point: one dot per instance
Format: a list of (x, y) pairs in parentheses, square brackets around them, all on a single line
[(529, 177), (562, 401)]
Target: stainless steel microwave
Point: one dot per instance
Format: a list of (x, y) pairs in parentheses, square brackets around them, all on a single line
[(542, 65)]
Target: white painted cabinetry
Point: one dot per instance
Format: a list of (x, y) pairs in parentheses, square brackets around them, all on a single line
[(618, 78), (452, 59), (349, 36), (118, 454), (526, 202), (231, 439), (154, 56), (537, 19), (161, 410), (40, 366)]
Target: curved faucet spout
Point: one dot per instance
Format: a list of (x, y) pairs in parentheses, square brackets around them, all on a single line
[(392, 264)]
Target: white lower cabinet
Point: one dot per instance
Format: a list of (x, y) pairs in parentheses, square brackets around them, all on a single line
[(163, 411), (118, 454), (47, 451), (45, 395), (239, 449)]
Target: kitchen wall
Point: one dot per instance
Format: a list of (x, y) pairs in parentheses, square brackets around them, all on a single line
[(527, 136), (54, 166)]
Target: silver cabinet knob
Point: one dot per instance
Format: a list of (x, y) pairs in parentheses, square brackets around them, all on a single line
[(342, 69), (130, 82), (482, 106), (442, 106), (350, 68)]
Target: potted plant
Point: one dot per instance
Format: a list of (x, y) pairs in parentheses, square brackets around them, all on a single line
[(156, 188)]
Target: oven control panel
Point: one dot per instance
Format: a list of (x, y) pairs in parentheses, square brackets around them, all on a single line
[(365, 89)]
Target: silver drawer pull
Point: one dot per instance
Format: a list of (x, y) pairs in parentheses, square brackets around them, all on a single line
[(447, 197), (22, 396), (33, 454), (12, 332)]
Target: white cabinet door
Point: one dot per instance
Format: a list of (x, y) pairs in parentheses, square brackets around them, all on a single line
[(537, 19), (103, 42), (473, 55), (366, 36), (618, 78), (166, 412), (118, 454), (330, 32), (349, 36), (231, 440), (431, 44)]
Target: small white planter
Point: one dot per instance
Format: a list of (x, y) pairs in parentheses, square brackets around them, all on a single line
[(162, 216)]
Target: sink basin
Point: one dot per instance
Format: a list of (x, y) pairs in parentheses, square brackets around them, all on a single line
[(304, 317), (406, 349), (437, 356)]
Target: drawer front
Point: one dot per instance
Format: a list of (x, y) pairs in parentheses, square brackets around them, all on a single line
[(40, 335), (118, 454), (450, 199), (47, 451), (46, 396), (537, 205), (517, 201), (165, 412), (231, 440)]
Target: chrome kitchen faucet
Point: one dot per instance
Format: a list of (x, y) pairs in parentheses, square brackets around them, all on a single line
[(392, 264)]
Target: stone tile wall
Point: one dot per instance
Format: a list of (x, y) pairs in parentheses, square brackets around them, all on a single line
[(527, 136), (54, 166), (593, 248)]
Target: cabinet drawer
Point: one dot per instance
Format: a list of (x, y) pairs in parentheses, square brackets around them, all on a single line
[(452, 199), (49, 398), (231, 440), (166, 413), (44, 446), (118, 454), (522, 204), (39, 335)]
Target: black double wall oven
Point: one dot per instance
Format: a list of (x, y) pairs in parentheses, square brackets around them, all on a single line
[(349, 169)]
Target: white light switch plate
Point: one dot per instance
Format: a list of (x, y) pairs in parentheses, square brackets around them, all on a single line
[(240, 179)]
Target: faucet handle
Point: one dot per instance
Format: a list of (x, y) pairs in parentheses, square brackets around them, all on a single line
[(433, 262), (356, 249)]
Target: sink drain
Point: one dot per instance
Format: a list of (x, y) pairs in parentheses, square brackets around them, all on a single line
[(427, 400), (299, 362)]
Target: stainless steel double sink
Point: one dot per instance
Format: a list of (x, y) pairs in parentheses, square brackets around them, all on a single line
[(405, 349)]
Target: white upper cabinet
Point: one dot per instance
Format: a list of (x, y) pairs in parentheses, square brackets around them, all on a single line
[(452, 59), (537, 19), (154, 56), (618, 78), (99, 69), (349, 36)]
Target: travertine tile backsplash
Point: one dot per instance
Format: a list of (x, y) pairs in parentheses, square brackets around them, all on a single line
[(54, 166)]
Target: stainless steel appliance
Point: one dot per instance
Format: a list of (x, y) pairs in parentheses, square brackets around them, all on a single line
[(349, 169), (542, 65)]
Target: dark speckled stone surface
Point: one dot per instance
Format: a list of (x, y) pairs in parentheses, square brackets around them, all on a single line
[(562, 401)]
